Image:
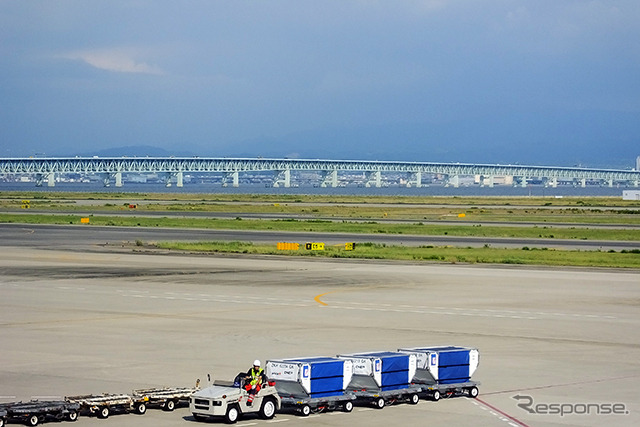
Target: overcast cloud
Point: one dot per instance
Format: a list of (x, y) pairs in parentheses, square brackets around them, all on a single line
[(503, 81)]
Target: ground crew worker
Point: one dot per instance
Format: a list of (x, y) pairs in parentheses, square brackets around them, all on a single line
[(253, 380)]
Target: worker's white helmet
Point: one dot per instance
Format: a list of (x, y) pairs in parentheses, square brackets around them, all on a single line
[(256, 362)]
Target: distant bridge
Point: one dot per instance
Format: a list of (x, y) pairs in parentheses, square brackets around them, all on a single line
[(173, 170)]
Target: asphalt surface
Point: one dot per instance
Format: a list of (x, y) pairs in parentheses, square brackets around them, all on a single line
[(75, 236), (79, 317)]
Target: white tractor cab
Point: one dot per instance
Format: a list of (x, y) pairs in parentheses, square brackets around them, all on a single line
[(230, 400)]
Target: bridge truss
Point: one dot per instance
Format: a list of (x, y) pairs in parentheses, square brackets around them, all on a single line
[(173, 169)]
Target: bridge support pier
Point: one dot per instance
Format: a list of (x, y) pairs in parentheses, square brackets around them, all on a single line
[(374, 178), (179, 179), (234, 179), (330, 178), (283, 177), (453, 181), (415, 179), (486, 181), (49, 176), (118, 176), (610, 183)]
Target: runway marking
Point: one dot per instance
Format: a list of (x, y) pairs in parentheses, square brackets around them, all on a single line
[(364, 306), (317, 298), (388, 308), (501, 415)]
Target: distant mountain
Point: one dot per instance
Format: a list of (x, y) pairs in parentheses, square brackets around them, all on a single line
[(587, 139)]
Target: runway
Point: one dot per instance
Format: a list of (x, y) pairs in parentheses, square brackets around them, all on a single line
[(79, 318), (79, 237)]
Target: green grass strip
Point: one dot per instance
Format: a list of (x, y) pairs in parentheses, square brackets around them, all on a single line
[(525, 256), (333, 227)]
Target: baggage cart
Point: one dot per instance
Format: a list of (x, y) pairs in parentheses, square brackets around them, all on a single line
[(312, 384), (383, 378), (105, 404), (167, 398), (35, 412), (445, 371)]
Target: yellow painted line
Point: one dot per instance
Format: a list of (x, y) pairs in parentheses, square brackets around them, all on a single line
[(317, 298), (319, 301)]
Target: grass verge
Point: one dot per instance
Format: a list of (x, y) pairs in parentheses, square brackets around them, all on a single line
[(524, 256), (322, 226)]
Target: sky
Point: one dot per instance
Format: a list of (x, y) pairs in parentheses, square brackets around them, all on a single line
[(545, 82)]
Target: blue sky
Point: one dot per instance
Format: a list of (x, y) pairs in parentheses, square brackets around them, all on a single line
[(552, 82)]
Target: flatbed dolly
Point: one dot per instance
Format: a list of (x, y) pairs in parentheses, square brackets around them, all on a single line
[(436, 392), (166, 397), (104, 404), (380, 398), (307, 405), (34, 412)]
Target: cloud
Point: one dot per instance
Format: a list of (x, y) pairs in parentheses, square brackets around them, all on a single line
[(120, 60)]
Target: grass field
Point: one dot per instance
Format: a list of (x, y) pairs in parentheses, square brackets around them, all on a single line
[(625, 259), (322, 226), (539, 218)]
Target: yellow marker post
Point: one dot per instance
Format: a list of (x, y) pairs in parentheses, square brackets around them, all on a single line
[(84, 220)]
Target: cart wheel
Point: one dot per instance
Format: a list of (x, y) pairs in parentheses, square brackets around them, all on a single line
[(379, 403), (104, 412), (268, 409), (33, 420), (414, 399), (169, 405), (72, 416), (435, 396), (305, 410), (140, 408), (1, 422), (473, 392), (348, 406), (232, 415)]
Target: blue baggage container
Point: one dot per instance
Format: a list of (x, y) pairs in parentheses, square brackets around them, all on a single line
[(444, 364), (312, 377), (385, 370)]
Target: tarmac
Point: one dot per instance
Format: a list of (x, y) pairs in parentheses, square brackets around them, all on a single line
[(95, 321)]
